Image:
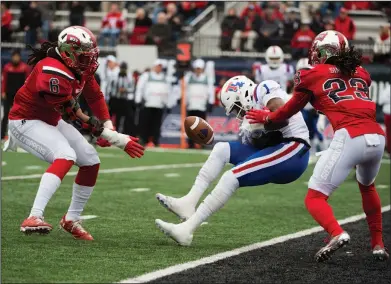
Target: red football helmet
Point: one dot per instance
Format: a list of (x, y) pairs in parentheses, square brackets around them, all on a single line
[(325, 45), (78, 49)]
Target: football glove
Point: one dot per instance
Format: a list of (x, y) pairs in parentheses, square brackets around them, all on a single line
[(127, 143), (258, 116)]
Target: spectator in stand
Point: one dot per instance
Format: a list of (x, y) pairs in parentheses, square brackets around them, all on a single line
[(6, 19), (381, 48), (76, 13), (276, 7), (174, 19), (358, 5), (291, 24), (302, 40), (190, 9), (47, 9), (229, 25), (30, 21), (160, 34), (345, 25), (247, 33), (317, 24), (329, 25), (13, 76), (269, 29), (112, 25), (250, 8), (141, 27)]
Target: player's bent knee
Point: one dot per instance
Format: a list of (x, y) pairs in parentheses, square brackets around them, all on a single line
[(87, 175), (363, 179), (324, 188), (88, 157), (221, 151), (65, 154)]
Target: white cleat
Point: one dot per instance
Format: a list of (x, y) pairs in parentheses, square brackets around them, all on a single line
[(380, 253), (175, 232), (176, 205), (335, 244)]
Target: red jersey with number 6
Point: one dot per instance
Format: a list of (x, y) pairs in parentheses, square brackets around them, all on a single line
[(344, 100), (50, 85)]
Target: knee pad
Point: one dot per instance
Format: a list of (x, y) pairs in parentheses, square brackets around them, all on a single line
[(221, 151)]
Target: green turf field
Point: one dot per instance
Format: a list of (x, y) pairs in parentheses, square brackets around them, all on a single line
[(127, 242)]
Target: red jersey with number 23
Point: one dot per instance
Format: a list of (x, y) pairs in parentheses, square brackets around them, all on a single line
[(344, 100), (50, 85)]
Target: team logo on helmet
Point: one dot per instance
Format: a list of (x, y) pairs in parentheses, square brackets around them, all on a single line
[(234, 87)]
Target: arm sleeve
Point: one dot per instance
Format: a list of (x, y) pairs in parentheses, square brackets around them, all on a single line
[(301, 96), (56, 90), (95, 99), (140, 87)]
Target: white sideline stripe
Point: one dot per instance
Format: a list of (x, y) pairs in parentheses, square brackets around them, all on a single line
[(116, 170), (213, 258)]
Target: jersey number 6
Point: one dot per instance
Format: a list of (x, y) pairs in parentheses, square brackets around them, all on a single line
[(54, 85), (362, 90)]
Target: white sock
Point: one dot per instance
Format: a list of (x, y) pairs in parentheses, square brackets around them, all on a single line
[(47, 187), (217, 159), (214, 201), (80, 196)]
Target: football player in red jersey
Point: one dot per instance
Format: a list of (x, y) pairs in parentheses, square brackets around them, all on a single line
[(62, 71), (337, 86)]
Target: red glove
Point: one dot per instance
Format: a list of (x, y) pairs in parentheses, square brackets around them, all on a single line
[(258, 116), (133, 148), (101, 142)]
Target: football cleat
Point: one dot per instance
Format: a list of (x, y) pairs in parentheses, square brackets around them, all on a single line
[(176, 232), (335, 244), (380, 253), (76, 229), (176, 205), (35, 224)]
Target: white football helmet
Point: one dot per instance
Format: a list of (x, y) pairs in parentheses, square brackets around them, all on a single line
[(302, 63), (237, 96), (325, 45), (274, 56)]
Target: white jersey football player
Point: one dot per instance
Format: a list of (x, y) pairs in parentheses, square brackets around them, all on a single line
[(277, 156), (275, 69)]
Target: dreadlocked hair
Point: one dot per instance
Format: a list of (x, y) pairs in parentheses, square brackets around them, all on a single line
[(347, 61), (39, 53)]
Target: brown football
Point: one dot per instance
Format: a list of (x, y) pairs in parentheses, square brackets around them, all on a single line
[(198, 130)]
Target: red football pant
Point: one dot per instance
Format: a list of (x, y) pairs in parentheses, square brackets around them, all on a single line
[(372, 208), (321, 211), (387, 122)]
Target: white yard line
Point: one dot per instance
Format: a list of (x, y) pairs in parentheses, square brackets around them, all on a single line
[(116, 170), (210, 259)]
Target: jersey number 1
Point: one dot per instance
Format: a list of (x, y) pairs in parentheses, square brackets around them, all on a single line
[(334, 93)]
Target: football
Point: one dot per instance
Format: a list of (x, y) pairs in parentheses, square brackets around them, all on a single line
[(198, 130)]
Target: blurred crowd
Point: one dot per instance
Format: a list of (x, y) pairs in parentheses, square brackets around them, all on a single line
[(294, 25), (157, 23)]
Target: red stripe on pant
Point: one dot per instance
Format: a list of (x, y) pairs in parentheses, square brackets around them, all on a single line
[(257, 163), (387, 122)]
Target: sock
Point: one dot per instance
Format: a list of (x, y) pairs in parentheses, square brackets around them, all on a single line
[(50, 181), (317, 206), (214, 201), (82, 190), (217, 159), (372, 208)]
